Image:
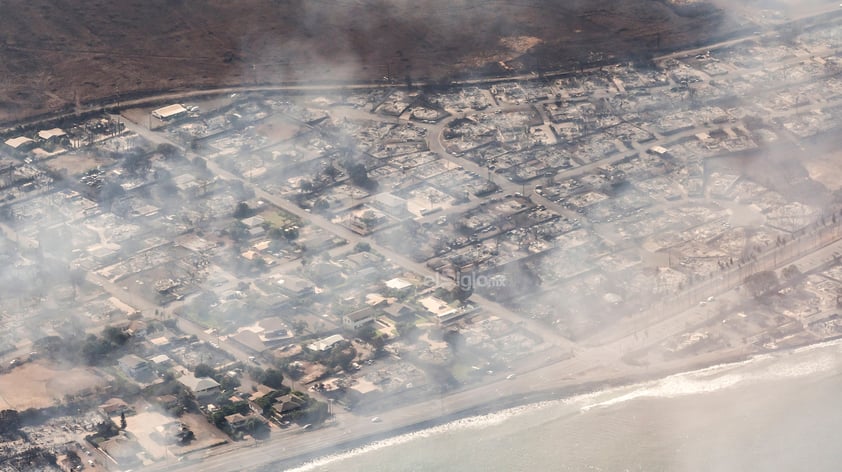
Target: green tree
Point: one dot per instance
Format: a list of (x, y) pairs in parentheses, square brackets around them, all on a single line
[(342, 356), (359, 175), (299, 326), (272, 378), (123, 420), (204, 370), (228, 382), (115, 336), (168, 150), (243, 210)]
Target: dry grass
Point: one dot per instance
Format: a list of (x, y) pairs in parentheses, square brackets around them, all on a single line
[(56, 53), (37, 385)]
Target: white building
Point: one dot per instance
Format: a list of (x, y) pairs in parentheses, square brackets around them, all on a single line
[(48, 134), (169, 112), (200, 386), (356, 320), (326, 343), (19, 142), (399, 285)]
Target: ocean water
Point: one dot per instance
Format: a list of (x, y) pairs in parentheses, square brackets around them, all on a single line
[(779, 411)]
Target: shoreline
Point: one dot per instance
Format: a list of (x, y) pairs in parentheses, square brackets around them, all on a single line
[(498, 405)]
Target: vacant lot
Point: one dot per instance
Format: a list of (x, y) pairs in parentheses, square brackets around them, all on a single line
[(58, 53), (36, 385), (76, 163)]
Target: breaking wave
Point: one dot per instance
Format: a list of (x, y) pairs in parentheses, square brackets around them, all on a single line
[(473, 422), (764, 367), (795, 363)]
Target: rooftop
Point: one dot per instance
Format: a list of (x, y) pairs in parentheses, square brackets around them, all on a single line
[(51, 133), (197, 384), (326, 343), (18, 142), (132, 361), (398, 283), (362, 314), (169, 111)]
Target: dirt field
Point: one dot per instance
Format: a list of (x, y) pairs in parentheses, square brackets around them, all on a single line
[(76, 163), (57, 53), (825, 170), (36, 385)]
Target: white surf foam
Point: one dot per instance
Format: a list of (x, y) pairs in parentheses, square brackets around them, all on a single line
[(774, 366), (789, 364), (473, 422)]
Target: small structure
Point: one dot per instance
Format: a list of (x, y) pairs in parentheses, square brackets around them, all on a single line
[(443, 312), (326, 343), (357, 319), (659, 151), (253, 221), (391, 204), (133, 365), (54, 134), (324, 273), (237, 421), (399, 311), (20, 143), (362, 260), (262, 397), (169, 112), (286, 404), (161, 360), (115, 406), (296, 286), (167, 401), (201, 387), (250, 340), (399, 285)]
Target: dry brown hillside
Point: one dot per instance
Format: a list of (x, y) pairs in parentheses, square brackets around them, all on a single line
[(54, 53)]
